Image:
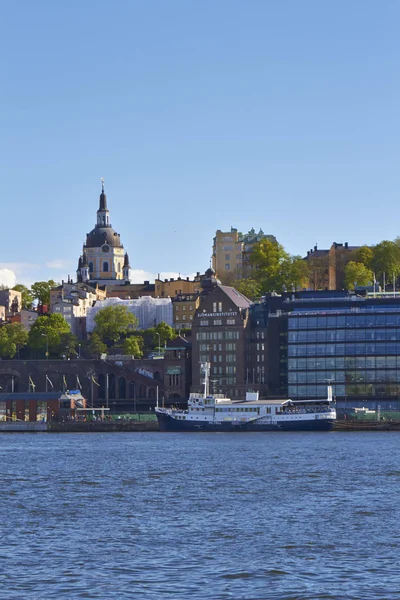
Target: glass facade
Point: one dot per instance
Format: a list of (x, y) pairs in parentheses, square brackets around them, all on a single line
[(357, 348)]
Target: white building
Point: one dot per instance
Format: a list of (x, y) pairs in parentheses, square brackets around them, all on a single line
[(149, 311)]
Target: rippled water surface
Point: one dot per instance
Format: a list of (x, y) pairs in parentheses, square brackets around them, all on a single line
[(216, 516)]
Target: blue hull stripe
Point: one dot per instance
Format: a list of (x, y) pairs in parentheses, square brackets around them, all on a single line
[(167, 423)]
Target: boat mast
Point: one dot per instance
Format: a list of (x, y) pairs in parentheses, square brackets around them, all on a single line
[(206, 370)]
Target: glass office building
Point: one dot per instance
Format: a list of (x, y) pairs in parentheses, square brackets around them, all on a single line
[(355, 343)]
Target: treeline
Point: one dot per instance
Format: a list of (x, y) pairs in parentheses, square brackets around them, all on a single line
[(50, 337), (275, 270)]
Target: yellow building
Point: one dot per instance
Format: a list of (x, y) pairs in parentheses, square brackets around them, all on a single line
[(169, 288), (103, 259), (232, 251)]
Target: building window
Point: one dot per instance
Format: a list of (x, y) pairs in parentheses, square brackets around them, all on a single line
[(230, 321), (227, 257), (105, 267), (214, 307), (219, 306), (91, 267), (227, 267), (217, 322), (204, 322)]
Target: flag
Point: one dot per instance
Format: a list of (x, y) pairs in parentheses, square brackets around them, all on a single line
[(95, 382), (78, 382), (50, 382), (31, 382)]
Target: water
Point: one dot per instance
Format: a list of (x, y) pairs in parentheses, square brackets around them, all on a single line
[(287, 516)]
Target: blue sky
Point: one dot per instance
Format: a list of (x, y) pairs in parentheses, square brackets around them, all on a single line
[(281, 115)]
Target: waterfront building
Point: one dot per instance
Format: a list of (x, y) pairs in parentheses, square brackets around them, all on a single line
[(327, 266), (103, 259), (219, 337), (40, 406), (349, 339), (232, 251), (178, 368)]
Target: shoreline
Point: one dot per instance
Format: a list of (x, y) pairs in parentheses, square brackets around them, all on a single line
[(141, 426)]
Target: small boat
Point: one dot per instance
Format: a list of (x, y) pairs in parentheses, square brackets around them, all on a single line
[(217, 413)]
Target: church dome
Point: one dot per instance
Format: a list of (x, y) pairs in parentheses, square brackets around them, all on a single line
[(103, 235)]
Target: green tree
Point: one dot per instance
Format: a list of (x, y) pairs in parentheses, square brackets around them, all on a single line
[(248, 287), (356, 273), (26, 295), (166, 333), (96, 347), (386, 259), (17, 335), (114, 322), (47, 331), (275, 269), (67, 345), (364, 255), (8, 348), (131, 346), (41, 291)]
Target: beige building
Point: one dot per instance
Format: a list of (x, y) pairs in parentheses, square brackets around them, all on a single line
[(11, 300), (169, 288), (232, 251), (103, 259), (72, 301)]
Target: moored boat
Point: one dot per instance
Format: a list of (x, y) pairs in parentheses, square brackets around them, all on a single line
[(216, 413)]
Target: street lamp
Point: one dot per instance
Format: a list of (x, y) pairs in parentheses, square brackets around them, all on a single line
[(47, 344), (159, 343)]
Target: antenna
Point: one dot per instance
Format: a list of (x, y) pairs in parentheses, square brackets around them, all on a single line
[(102, 183)]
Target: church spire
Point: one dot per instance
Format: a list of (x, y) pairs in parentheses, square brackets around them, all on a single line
[(126, 269), (103, 215)]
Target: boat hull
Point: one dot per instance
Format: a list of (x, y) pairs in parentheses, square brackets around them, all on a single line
[(168, 423)]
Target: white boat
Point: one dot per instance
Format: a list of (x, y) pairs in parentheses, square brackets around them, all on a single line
[(216, 413)]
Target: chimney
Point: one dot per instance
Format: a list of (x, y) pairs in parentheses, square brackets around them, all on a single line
[(346, 244), (315, 247)]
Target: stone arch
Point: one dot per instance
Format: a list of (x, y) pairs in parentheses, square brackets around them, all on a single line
[(122, 388), (105, 266), (111, 385), (142, 391), (152, 392), (131, 389)]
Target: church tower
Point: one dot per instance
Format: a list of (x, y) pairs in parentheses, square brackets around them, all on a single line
[(103, 257)]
